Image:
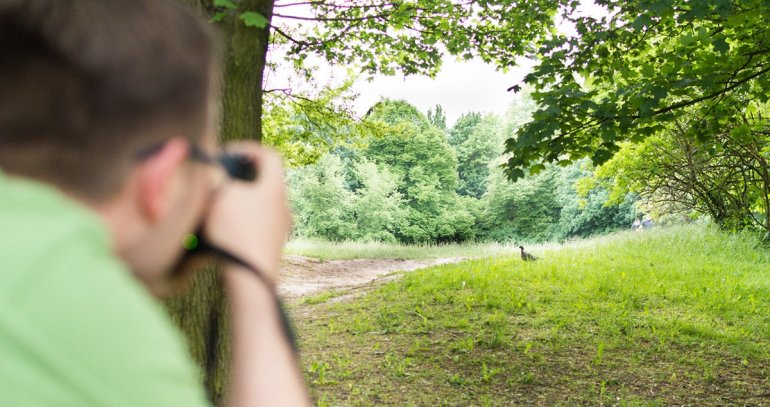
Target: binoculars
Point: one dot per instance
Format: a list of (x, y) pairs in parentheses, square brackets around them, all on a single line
[(238, 166)]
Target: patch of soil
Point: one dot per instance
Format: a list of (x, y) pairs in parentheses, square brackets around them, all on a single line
[(302, 276)]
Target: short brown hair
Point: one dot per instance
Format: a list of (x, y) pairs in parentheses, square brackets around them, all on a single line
[(86, 83)]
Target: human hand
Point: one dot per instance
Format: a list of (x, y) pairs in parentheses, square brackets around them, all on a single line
[(252, 220)]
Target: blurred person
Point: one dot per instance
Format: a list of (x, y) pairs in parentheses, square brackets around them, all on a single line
[(107, 163)]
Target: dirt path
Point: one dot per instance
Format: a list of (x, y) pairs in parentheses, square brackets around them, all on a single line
[(301, 276)]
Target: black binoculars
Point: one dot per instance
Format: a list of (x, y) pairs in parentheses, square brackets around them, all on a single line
[(238, 166)]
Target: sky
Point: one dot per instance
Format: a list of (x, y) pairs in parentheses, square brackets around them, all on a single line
[(460, 87)]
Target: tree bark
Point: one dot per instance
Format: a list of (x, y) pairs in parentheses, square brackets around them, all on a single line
[(201, 312), (244, 67)]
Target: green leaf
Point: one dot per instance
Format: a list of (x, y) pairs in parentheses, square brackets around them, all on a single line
[(741, 133), (663, 8), (687, 39), (536, 169), (514, 174), (254, 19), (218, 17), (601, 156), (659, 92), (225, 4), (640, 22), (648, 70), (720, 45)]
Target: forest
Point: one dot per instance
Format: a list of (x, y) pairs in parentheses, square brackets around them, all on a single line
[(417, 181)]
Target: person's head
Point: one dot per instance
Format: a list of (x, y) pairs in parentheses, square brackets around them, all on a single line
[(103, 100)]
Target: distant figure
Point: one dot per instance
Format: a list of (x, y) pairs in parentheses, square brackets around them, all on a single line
[(637, 225), (526, 256), (647, 223)]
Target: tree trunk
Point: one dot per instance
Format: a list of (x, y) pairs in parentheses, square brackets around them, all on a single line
[(201, 312), (244, 67)]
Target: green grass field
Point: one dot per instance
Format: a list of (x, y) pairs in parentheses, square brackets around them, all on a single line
[(670, 317)]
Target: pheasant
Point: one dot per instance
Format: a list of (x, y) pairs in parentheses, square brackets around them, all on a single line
[(526, 256)]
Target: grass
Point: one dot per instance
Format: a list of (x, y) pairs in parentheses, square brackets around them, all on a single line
[(325, 250), (668, 317)]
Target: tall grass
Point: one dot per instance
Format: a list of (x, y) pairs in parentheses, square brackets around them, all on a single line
[(670, 316)]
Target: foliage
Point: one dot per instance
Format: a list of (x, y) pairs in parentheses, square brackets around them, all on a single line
[(726, 177), (304, 127), (527, 209), (378, 205), (463, 128), (588, 213), (406, 186), (549, 206), (672, 316), (400, 187), (419, 155), (321, 201), (410, 37), (478, 144), (520, 111), (437, 117), (631, 71)]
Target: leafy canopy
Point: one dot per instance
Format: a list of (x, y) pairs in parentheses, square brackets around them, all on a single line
[(629, 73), (410, 37)]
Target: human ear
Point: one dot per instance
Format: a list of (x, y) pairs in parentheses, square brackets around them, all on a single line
[(157, 189)]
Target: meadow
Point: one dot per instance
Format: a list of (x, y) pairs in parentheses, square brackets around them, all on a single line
[(677, 316)]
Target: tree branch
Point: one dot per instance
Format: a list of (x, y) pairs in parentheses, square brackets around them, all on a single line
[(709, 96), (331, 19), (287, 36)]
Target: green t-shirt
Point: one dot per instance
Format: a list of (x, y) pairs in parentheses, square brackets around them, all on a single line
[(76, 328)]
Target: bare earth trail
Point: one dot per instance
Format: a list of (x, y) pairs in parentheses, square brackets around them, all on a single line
[(302, 276)]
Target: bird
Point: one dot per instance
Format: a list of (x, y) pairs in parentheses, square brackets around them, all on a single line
[(526, 256)]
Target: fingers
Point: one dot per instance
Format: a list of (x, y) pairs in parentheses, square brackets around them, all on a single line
[(252, 219)]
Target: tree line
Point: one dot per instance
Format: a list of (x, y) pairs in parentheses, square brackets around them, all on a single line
[(416, 181)]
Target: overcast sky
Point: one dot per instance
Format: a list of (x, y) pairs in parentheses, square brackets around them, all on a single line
[(460, 87)]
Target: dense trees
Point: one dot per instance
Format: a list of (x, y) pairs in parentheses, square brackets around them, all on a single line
[(675, 90), (406, 185), (419, 155), (727, 178), (477, 141)]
